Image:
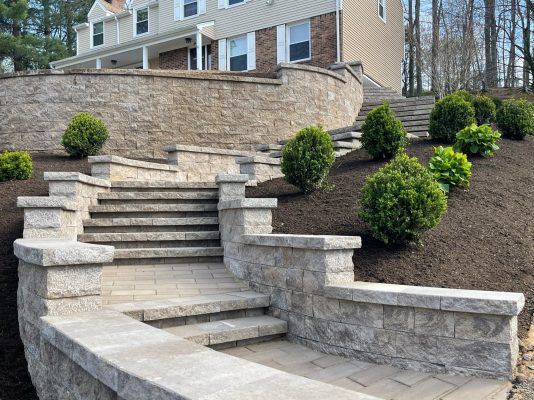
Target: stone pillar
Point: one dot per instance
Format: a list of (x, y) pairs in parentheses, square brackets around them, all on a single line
[(56, 277), (199, 51), (260, 168), (145, 58), (231, 187), (98, 63)]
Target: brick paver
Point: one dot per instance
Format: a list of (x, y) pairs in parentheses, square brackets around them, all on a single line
[(382, 381), (122, 284)]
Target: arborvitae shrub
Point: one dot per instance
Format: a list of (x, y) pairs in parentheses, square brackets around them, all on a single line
[(307, 158), (449, 116), (85, 135), (401, 201), (383, 135), (15, 165)]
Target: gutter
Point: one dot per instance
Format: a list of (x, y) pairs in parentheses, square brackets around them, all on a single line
[(339, 6)]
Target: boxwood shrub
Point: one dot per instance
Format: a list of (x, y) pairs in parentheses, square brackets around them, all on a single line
[(449, 168), (485, 109), (15, 165), (464, 94), (85, 135), (401, 201), (307, 158), (449, 116), (515, 118), (383, 135), (481, 140)]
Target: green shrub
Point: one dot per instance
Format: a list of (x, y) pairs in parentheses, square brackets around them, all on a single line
[(497, 101), (475, 139), (464, 94), (307, 158), (15, 165), (485, 110), (449, 168), (383, 135), (515, 118), (401, 201), (85, 135), (450, 115)]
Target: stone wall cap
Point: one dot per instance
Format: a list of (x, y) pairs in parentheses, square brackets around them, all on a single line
[(206, 150), (52, 252), (301, 67), (316, 242), (65, 203), (160, 364), (242, 178), (110, 159), (247, 203), (76, 177), (258, 160), (457, 300)]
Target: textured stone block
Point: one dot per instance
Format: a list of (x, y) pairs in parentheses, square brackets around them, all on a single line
[(399, 318), (326, 308), (486, 328), (434, 322), (365, 314), (301, 303)]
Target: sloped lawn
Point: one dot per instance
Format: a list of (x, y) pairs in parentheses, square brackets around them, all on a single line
[(485, 241), (14, 378)]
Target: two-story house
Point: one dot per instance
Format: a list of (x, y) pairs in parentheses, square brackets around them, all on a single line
[(242, 35)]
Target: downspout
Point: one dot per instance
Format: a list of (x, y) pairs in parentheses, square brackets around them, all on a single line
[(338, 31), (118, 29)]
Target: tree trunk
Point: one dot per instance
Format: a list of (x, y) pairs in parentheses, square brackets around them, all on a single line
[(418, 55), (435, 45), (510, 75), (490, 44), (411, 56)]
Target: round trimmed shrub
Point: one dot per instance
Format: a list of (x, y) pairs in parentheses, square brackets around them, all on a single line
[(15, 165), (464, 94), (401, 201), (475, 139), (449, 168), (307, 158), (515, 118), (383, 135), (449, 116), (85, 135), (485, 109)]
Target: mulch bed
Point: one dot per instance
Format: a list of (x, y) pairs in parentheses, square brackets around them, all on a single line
[(15, 381), (485, 241)]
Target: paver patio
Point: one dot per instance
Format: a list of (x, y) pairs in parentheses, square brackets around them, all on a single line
[(122, 284), (382, 381)]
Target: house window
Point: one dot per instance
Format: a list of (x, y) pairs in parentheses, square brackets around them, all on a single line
[(382, 9), (238, 54), (206, 57), (234, 2), (190, 8), (299, 42), (98, 34), (141, 21)]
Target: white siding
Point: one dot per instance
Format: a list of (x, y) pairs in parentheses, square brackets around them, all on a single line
[(83, 40), (96, 13)]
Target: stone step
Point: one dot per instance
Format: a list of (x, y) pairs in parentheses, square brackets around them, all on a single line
[(402, 113), (407, 124), (346, 145), (168, 253), (230, 330), (126, 225), (163, 186), (148, 236), (158, 195), (272, 154), (413, 101), (347, 136), (169, 313), (153, 210)]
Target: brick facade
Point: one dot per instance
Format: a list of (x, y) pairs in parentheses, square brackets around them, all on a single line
[(323, 47)]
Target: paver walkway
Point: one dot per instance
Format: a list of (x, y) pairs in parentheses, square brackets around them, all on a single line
[(122, 284), (382, 381)]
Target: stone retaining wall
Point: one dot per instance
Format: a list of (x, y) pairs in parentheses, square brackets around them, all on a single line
[(147, 110), (311, 283)]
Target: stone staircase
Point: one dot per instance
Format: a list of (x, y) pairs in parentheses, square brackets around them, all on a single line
[(157, 222)]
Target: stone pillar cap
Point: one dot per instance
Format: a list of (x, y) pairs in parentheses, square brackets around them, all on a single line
[(242, 178), (53, 252)]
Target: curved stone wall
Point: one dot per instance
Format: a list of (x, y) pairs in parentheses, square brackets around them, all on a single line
[(147, 110)]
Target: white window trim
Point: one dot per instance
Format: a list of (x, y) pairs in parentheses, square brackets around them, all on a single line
[(204, 54), (225, 4), (135, 20), (378, 10), (288, 41), (91, 35), (229, 52), (191, 16)]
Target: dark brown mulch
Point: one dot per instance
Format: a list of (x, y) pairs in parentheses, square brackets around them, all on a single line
[(14, 378), (485, 241)]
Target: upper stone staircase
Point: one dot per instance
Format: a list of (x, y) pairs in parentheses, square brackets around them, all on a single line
[(157, 222)]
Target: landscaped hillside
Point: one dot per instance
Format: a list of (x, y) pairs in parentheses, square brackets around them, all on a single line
[(14, 379), (485, 241)]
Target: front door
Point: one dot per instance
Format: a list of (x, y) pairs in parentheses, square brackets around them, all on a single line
[(206, 57)]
